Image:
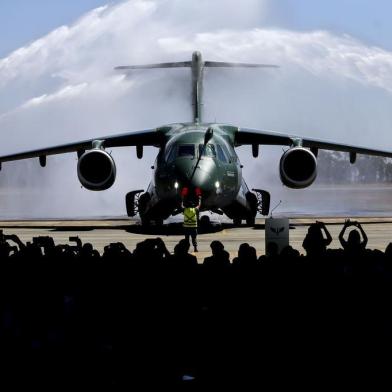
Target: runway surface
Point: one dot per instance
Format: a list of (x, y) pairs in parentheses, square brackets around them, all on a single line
[(103, 232)]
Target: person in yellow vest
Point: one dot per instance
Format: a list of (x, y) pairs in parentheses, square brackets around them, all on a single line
[(191, 212)]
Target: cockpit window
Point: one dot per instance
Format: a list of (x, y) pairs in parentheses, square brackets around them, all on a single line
[(207, 150), (221, 154), (171, 154), (186, 150)]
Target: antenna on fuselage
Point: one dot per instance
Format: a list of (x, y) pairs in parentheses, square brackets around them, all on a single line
[(207, 137), (280, 202), (197, 66)]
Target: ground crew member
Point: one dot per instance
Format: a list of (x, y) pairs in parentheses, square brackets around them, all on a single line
[(191, 211)]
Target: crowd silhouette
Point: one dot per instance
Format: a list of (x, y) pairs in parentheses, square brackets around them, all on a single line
[(70, 316)]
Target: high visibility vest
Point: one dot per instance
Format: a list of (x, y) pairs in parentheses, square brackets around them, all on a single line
[(190, 217)]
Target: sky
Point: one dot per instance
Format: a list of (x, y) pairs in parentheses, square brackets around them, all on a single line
[(366, 20), (23, 21), (57, 84)]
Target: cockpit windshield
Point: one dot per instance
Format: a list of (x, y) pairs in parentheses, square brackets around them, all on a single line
[(186, 150), (170, 155), (207, 150), (180, 151)]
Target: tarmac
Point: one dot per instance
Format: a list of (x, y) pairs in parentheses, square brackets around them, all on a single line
[(103, 232)]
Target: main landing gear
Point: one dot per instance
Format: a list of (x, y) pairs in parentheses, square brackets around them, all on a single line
[(136, 203), (132, 202), (258, 202), (263, 201)]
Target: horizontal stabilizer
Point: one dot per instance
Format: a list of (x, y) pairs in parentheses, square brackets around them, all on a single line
[(221, 64), (159, 65)]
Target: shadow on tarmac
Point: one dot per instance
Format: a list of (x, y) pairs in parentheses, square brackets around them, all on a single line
[(165, 229), (174, 228)]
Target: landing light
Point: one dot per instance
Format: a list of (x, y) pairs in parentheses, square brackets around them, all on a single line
[(176, 185), (217, 184)]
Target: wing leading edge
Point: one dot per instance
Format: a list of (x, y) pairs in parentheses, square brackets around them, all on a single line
[(253, 136), (151, 137)]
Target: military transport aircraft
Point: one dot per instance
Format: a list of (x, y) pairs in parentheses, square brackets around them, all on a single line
[(196, 157)]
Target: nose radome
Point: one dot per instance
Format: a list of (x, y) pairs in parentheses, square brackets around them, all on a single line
[(202, 180), (203, 177)]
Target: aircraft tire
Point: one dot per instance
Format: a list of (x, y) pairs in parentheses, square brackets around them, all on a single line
[(145, 222), (237, 221), (129, 203), (205, 222), (250, 221)]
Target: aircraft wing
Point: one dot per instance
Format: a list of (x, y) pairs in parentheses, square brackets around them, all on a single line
[(253, 136), (151, 137)]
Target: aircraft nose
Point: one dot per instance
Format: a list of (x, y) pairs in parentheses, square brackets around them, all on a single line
[(196, 56), (202, 176)]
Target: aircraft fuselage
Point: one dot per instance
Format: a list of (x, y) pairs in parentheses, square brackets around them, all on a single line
[(188, 160)]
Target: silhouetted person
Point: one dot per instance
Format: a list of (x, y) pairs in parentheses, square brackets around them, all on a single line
[(289, 252), (220, 257), (272, 249), (271, 253), (388, 251), (116, 251), (181, 257), (161, 251), (246, 256), (314, 243), (150, 251), (191, 211), (88, 252), (252, 255), (15, 239), (353, 246)]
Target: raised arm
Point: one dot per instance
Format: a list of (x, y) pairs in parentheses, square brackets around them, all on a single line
[(343, 242), (328, 238), (15, 239), (364, 236)]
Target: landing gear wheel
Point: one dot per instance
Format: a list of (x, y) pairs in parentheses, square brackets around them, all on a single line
[(158, 222), (143, 200), (250, 221), (205, 222), (132, 202), (237, 221), (145, 222)]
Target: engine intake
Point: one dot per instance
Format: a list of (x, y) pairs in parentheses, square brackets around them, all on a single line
[(298, 168), (96, 170)]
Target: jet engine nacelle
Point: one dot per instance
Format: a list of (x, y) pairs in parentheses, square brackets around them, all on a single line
[(298, 168), (96, 170)]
